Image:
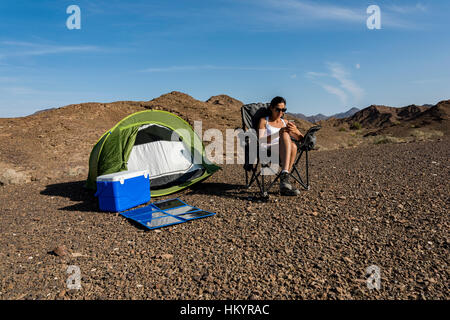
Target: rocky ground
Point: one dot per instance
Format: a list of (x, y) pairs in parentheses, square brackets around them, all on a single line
[(385, 205)]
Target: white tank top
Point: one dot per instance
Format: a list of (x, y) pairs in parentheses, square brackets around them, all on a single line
[(270, 131)]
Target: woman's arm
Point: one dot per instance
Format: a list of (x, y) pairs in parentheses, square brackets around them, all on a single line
[(294, 132), (262, 130)]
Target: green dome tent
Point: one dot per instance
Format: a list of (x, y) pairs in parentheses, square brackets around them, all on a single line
[(153, 140)]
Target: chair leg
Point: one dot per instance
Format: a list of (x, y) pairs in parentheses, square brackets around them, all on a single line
[(253, 177), (266, 189), (274, 181), (307, 170), (263, 191), (298, 178), (257, 181), (256, 176), (262, 185)]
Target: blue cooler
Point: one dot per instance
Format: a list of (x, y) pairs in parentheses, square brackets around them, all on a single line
[(123, 190)]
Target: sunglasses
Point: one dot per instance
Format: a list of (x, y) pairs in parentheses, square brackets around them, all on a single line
[(281, 110)]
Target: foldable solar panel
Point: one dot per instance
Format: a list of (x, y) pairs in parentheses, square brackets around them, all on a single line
[(165, 213)]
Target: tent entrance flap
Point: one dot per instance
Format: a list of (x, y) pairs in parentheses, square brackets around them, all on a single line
[(166, 160)]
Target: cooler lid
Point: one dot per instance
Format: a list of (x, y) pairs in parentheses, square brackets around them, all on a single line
[(123, 175)]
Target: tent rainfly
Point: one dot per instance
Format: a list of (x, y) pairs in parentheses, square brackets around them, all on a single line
[(158, 141)]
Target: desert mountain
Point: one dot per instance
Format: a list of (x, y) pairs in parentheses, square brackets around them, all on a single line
[(383, 116), (383, 119), (346, 114), (383, 124), (439, 112), (320, 117), (57, 142), (224, 100)]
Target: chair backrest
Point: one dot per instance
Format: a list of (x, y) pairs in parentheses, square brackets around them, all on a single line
[(251, 113)]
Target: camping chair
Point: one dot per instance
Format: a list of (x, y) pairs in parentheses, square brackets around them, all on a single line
[(251, 113)]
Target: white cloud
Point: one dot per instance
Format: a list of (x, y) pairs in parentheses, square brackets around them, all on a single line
[(19, 91), (298, 13), (336, 91), (340, 74), (312, 10), (316, 74), (209, 67), (21, 48), (408, 9), (346, 88)]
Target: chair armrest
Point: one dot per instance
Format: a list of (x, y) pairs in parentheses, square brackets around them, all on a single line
[(309, 139)]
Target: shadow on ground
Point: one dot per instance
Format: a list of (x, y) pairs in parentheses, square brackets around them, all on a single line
[(227, 190), (74, 191)]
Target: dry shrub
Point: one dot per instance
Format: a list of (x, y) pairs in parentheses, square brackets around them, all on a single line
[(387, 139), (424, 135)]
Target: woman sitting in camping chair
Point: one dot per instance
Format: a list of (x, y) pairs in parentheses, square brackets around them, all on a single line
[(275, 133)]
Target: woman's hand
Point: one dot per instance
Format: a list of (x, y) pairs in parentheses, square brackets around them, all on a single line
[(292, 129)]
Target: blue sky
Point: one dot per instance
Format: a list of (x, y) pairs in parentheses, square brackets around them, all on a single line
[(319, 55)]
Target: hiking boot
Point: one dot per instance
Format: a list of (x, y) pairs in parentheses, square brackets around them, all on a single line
[(284, 182), (285, 187)]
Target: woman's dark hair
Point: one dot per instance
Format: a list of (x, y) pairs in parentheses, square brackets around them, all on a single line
[(277, 100)]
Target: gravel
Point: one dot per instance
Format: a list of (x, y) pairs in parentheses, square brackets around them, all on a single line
[(384, 205)]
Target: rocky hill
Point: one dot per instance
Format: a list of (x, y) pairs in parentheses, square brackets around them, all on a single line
[(383, 116), (321, 117), (57, 142), (401, 121)]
